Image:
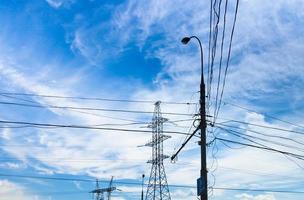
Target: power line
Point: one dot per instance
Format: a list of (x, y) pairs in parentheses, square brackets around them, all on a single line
[(257, 172), (94, 98), (246, 171), (70, 160), (259, 190), (73, 160), (55, 146), (265, 114), (83, 180), (107, 124), (78, 111), (261, 126), (260, 133), (285, 153), (209, 50), (56, 193), (214, 188), (216, 19), (221, 60), (246, 136), (262, 113), (300, 157), (229, 55), (87, 108), (225, 102), (139, 184), (43, 125), (48, 178), (99, 125)]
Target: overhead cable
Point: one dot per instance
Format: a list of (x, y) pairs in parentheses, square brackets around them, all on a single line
[(93, 98), (87, 108), (42, 125), (139, 184), (298, 156), (229, 55), (263, 126)]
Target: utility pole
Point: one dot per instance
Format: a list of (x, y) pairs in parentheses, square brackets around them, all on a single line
[(202, 182)]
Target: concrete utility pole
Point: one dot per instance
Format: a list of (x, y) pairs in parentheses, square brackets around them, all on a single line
[(202, 182)]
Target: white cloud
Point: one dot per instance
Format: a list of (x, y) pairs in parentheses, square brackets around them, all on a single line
[(245, 196), (187, 194), (54, 156), (78, 185), (59, 3), (12, 191), (5, 134), (54, 3), (256, 74), (11, 165), (86, 43), (254, 67)]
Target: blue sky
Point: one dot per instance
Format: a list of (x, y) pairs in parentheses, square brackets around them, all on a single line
[(127, 49)]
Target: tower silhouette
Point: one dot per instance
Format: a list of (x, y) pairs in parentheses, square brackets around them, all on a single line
[(158, 188), (98, 193)]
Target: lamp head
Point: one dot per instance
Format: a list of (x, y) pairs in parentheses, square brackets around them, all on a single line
[(185, 40)]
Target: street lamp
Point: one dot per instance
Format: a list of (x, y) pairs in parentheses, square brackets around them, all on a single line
[(202, 181), (186, 40)]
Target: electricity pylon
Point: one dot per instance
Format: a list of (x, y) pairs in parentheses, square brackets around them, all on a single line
[(158, 186), (98, 193)]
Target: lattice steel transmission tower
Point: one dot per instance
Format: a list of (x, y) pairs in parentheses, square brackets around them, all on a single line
[(158, 188), (98, 193)]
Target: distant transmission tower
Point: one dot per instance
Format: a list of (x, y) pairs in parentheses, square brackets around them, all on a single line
[(158, 186), (98, 193)]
